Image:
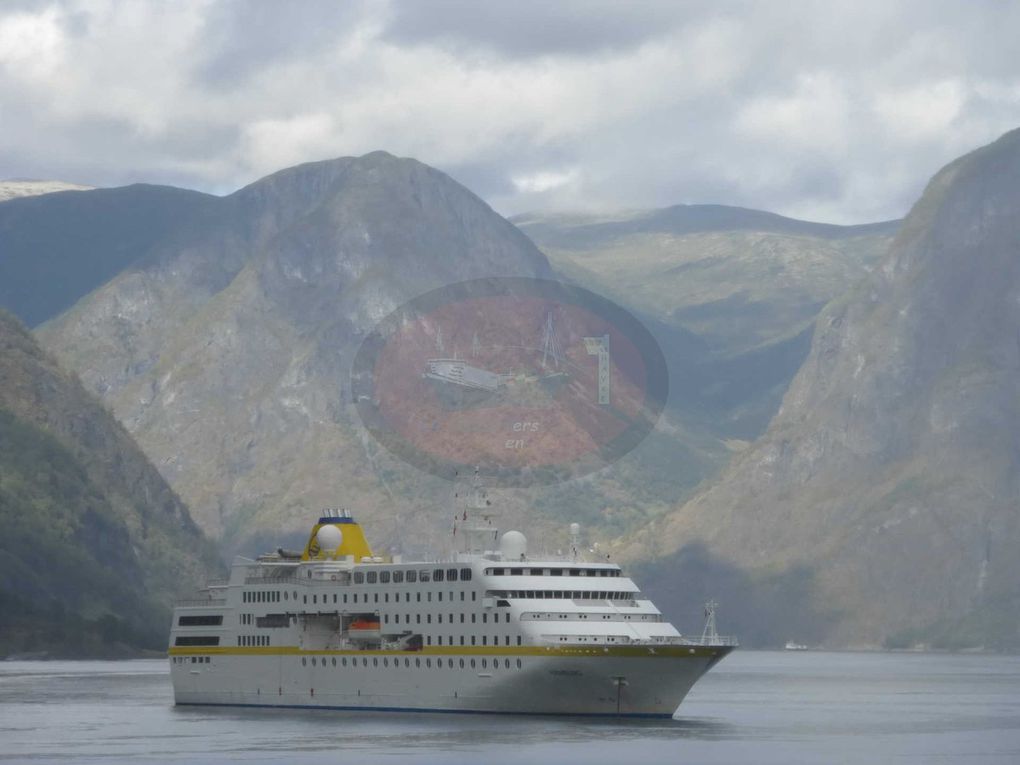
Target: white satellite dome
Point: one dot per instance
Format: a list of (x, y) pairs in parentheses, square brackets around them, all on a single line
[(329, 538), (513, 545)]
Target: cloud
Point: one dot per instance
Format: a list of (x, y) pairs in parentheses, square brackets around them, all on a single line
[(837, 111), (543, 181), (528, 28)]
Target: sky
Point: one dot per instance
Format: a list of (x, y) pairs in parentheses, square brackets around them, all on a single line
[(832, 111)]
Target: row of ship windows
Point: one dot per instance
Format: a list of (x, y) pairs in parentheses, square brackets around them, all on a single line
[(552, 571), (248, 619), (399, 576), (283, 620), (472, 638), (274, 596), (473, 663), (418, 662), (439, 618), (565, 594), (194, 641), (197, 640), (396, 597)]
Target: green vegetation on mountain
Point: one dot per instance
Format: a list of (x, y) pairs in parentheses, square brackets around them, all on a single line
[(95, 545)]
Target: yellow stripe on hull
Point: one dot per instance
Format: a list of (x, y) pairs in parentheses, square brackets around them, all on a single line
[(615, 651)]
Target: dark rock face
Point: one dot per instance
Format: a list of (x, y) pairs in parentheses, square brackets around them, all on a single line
[(225, 349), (95, 543), (892, 467)]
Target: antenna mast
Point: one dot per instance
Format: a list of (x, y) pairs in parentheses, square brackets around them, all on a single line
[(709, 635), (479, 529)]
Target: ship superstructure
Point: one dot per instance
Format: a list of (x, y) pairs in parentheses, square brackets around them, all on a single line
[(335, 626)]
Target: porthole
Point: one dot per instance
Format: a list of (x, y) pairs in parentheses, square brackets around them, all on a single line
[(428, 663), (508, 663), (334, 661), (407, 662), (386, 662), (417, 662), (364, 662), (449, 663), (304, 661), (375, 661), (484, 663), (472, 664), (344, 661), (518, 664), (462, 664), (313, 661)]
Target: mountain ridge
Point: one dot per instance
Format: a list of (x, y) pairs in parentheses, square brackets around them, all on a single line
[(588, 229)]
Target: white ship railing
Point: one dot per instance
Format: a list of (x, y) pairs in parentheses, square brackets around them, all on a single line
[(717, 641)]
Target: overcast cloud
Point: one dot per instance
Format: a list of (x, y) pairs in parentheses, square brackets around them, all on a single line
[(823, 110)]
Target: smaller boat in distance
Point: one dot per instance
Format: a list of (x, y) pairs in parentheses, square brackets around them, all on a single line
[(791, 646)]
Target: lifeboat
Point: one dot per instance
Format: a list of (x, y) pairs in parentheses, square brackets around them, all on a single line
[(364, 629)]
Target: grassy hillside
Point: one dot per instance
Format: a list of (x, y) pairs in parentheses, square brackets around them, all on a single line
[(95, 544)]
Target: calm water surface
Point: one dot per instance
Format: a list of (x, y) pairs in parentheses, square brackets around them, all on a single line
[(755, 707)]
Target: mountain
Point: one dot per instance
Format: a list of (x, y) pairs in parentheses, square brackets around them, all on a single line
[(880, 507), (95, 543), (221, 331), (225, 346), (13, 188), (56, 248), (748, 283), (738, 278)]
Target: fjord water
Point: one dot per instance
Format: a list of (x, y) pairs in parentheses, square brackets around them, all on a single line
[(755, 707)]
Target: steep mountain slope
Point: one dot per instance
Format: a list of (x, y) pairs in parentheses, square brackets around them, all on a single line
[(95, 544), (748, 283), (889, 478), (225, 349)]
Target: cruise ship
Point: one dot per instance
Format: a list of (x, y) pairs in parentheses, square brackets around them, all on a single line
[(487, 631)]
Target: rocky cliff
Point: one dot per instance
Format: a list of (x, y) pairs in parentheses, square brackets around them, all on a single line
[(889, 478)]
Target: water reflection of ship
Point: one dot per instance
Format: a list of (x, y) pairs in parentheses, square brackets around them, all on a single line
[(460, 385)]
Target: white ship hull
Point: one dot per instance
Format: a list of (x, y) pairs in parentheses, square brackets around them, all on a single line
[(494, 632), (642, 684)]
